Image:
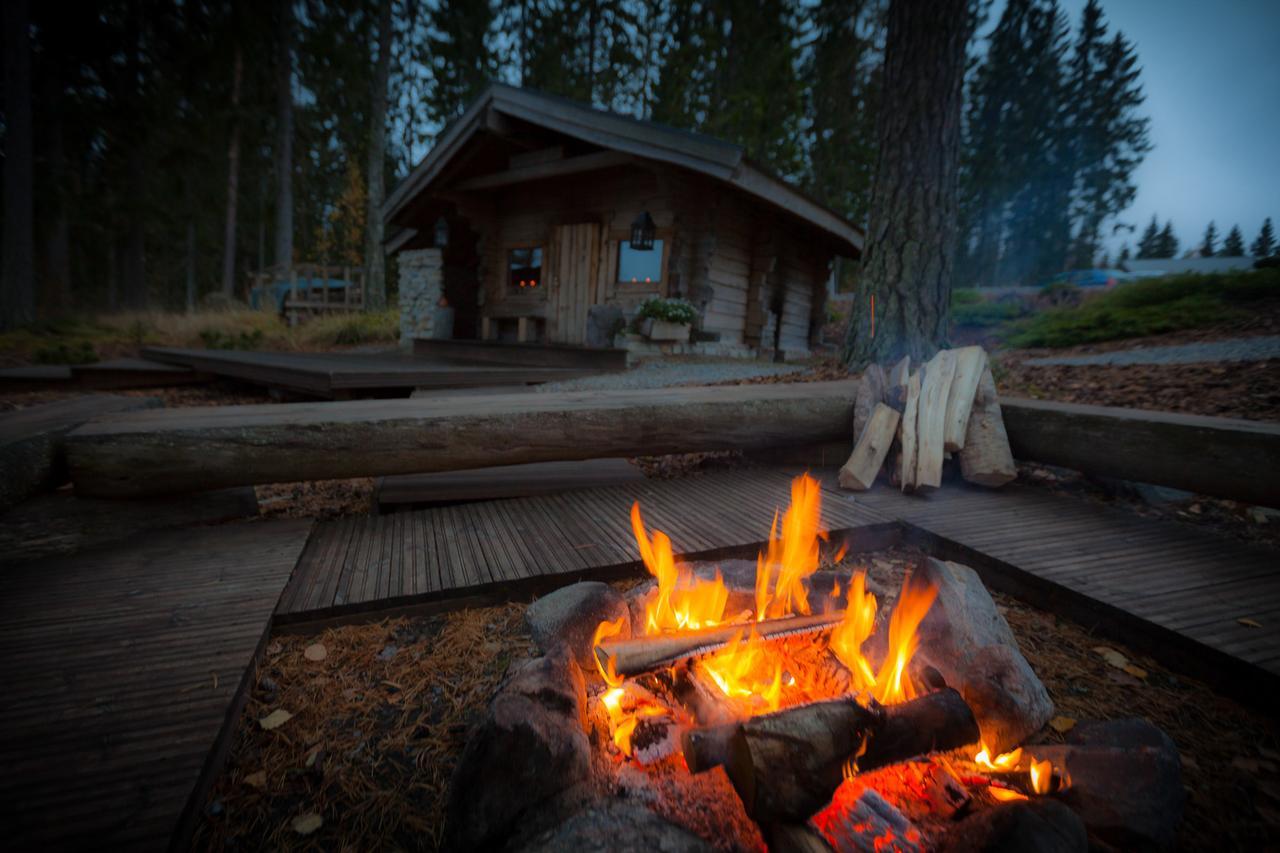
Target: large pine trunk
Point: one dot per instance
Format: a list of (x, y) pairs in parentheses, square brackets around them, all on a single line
[(233, 180), (375, 259), (911, 240), (17, 287), (284, 139)]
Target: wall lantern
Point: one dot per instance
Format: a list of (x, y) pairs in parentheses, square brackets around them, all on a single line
[(442, 233), (642, 232)]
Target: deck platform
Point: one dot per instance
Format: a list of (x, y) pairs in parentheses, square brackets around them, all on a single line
[(124, 669), (403, 491), (343, 374)]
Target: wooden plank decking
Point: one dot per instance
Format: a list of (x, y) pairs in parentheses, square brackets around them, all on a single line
[(338, 374), (123, 669), (370, 562), (1188, 581)]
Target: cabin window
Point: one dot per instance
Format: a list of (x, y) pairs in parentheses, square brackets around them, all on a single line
[(639, 266), (524, 269)]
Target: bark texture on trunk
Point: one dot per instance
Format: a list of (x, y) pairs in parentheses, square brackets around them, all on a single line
[(233, 180), (284, 139), (375, 258), (912, 230), (17, 287)]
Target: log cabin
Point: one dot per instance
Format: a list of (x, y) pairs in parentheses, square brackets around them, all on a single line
[(555, 220)]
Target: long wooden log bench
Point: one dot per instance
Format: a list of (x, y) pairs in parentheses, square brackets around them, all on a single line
[(183, 450)]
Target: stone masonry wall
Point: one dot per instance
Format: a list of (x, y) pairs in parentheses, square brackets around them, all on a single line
[(421, 285)]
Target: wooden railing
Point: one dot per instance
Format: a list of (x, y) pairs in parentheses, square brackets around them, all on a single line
[(309, 290)]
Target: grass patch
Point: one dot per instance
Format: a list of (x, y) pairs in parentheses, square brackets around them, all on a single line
[(80, 340), (1150, 307)]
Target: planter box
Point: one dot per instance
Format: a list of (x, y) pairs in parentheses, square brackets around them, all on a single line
[(661, 330)]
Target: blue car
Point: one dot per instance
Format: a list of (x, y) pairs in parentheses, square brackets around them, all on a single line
[(1106, 279)]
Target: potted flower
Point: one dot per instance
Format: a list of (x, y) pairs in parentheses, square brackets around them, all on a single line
[(666, 319)]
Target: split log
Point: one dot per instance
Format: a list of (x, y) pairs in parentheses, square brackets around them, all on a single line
[(646, 654), (986, 458), (970, 363), (931, 420), (908, 435), (868, 454), (786, 765), (870, 394), (899, 372), (185, 450)]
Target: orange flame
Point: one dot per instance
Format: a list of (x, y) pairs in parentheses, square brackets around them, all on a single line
[(794, 554), (747, 673), (604, 631), (1005, 795), (623, 722), (683, 601), (1003, 761), (1041, 776), (891, 683), (847, 637)]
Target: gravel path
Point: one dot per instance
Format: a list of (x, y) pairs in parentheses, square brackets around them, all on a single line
[(666, 373), (1238, 349)]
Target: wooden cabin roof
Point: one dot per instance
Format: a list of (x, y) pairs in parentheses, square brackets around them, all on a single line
[(627, 136)]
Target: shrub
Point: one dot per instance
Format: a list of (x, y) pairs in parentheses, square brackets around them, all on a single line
[(1150, 307), (77, 352), (351, 329), (669, 310), (219, 339)]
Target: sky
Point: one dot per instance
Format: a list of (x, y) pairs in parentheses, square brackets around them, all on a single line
[(1211, 71)]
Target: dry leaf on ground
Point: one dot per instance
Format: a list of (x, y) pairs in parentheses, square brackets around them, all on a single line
[(1062, 725), (275, 719), (1112, 657), (1249, 623), (257, 780), (315, 652), (307, 823)]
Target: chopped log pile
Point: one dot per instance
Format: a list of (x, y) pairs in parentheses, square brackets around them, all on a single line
[(918, 418)]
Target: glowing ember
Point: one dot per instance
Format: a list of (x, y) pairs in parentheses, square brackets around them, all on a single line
[(625, 712), (1005, 795), (1004, 761)]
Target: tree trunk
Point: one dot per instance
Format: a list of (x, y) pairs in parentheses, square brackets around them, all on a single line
[(56, 286), (911, 240), (374, 255), (284, 140), (17, 288), (135, 256), (191, 263), (233, 180)]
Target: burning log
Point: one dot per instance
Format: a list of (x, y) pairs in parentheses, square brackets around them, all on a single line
[(646, 654), (786, 765)]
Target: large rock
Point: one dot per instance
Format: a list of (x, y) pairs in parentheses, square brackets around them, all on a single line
[(531, 746), (1125, 782), (570, 615), (617, 826), (1030, 826), (966, 639)]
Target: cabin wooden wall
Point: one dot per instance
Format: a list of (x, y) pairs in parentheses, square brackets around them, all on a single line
[(734, 258)]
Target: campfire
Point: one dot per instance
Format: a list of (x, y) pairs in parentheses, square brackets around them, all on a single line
[(795, 697)]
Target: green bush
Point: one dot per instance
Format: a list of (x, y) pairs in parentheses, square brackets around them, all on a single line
[(219, 339), (77, 352), (670, 310), (971, 308), (1150, 307), (965, 296)]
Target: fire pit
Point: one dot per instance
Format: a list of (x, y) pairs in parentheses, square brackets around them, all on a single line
[(793, 704)]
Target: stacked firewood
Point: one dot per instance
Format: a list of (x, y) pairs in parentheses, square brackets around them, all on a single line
[(919, 418)]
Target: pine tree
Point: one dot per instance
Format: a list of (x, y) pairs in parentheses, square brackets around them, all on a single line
[(1167, 242), (1209, 245), (1233, 246), (1266, 242), (1149, 245), (459, 56)]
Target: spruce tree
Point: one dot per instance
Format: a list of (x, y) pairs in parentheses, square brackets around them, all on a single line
[(458, 53), (1233, 246), (1149, 244), (1266, 242), (1167, 242), (1209, 245)]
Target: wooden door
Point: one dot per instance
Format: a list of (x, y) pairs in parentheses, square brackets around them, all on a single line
[(574, 288)]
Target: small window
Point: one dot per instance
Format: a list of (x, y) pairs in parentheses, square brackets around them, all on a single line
[(524, 269), (639, 267)]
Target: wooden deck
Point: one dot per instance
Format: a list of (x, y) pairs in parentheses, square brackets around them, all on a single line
[(515, 547), (1181, 583), (124, 669), (1173, 590), (341, 374)]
